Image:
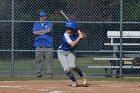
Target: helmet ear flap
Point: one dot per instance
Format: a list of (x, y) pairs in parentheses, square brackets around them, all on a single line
[(73, 30)]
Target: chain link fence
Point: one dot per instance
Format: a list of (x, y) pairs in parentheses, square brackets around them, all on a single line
[(98, 55)]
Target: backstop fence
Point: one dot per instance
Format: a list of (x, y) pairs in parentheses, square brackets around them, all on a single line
[(111, 49)]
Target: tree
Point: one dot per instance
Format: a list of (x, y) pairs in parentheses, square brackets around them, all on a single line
[(131, 10)]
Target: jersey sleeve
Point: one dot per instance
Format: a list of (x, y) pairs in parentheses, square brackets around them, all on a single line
[(48, 26), (67, 38), (35, 27)]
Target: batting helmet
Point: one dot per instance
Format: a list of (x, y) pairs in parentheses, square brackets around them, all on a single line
[(71, 24), (42, 14)]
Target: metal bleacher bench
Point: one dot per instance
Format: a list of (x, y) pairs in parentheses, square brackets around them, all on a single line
[(125, 34), (113, 35)]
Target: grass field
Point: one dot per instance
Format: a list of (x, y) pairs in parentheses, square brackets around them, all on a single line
[(28, 65)]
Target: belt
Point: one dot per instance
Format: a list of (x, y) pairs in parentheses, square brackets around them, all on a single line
[(46, 47), (59, 48), (63, 50)]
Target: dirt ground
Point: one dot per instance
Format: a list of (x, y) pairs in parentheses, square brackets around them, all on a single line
[(64, 86)]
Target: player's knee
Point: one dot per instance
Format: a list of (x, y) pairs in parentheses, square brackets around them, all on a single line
[(73, 68), (67, 71)]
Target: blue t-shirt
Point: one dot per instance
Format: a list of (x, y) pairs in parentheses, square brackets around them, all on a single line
[(66, 39), (43, 40)]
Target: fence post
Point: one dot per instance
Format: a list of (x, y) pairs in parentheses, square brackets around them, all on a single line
[(121, 29), (12, 41)]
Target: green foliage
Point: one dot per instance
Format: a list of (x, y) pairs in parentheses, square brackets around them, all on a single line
[(132, 11)]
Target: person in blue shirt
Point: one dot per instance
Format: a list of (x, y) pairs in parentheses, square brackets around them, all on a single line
[(44, 44), (69, 40)]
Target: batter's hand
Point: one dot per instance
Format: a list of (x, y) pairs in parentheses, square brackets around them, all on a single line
[(80, 34), (84, 36)]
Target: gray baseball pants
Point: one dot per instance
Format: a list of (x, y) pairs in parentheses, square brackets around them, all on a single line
[(67, 59), (44, 55)]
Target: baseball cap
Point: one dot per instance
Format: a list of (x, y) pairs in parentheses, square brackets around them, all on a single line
[(42, 14)]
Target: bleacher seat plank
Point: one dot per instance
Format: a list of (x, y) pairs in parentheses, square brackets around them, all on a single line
[(112, 58)]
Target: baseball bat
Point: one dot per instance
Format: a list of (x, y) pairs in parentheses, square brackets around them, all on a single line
[(85, 36), (64, 15)]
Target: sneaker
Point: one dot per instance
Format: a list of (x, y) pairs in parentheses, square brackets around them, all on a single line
[(74, 84), (84, 78), (39, 74), (50, 75)]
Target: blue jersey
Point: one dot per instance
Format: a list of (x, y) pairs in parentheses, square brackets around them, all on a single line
[(66, 39), (43, 40)]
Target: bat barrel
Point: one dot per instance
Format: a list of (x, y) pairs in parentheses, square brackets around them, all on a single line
[(64, 15)]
